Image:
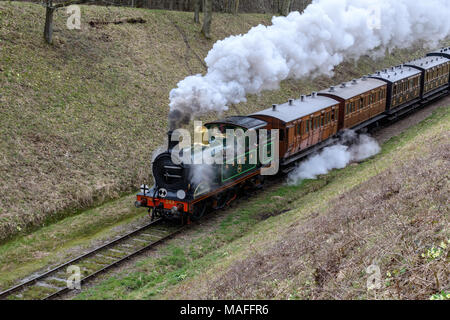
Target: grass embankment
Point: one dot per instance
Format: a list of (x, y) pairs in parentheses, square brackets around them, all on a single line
[(390, 211), (80, 118)]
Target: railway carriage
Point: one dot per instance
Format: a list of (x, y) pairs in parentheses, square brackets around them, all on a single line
[(435, 75), (444, 52), (303, 123), (403, 87), (361, 102)]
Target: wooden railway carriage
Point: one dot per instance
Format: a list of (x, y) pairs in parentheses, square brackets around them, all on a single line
[(435, 75), (403, 87), (303, 123), (444, 52), (362, 101)]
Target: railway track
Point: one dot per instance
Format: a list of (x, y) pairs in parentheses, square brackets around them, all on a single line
[(53, 283)]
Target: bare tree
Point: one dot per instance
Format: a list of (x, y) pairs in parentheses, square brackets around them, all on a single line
[(48, 29), (197, 5), (236, 7), (207, 9), (285, 7)]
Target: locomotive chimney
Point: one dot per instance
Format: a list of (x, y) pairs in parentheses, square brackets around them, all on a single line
[(171, 144)]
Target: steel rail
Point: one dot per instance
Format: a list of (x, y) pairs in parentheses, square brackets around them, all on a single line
[(109, 245)]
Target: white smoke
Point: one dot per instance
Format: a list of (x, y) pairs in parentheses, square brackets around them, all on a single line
[(335, 157), (307, 44)]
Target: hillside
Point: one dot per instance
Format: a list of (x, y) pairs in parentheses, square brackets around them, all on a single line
[(316, 240), (79, 119)]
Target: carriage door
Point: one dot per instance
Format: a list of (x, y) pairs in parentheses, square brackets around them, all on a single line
[(291, 139)]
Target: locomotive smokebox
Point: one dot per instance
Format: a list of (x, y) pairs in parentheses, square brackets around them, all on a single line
[(171, 144)]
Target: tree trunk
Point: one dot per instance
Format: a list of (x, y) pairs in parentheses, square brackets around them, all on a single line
[(236, 7), (197, 11), (48, 29), (206, 30), (285, 7)]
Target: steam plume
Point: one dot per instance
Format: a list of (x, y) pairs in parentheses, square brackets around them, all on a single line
[(307, 44), (335, 157)]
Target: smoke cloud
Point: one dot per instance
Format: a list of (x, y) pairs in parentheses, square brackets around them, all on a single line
[(307, 44), (335, 157)]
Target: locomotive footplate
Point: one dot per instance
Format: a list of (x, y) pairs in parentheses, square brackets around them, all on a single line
[(162, 204)]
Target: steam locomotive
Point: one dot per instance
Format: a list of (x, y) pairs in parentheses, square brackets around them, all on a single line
[(305, 125)]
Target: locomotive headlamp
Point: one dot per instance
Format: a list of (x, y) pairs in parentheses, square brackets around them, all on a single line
[(181, 194)]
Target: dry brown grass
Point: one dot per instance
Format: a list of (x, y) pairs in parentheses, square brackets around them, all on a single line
[(388, 220)]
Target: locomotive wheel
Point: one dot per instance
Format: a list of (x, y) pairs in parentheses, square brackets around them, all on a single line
[(199, 211), (221, 200)]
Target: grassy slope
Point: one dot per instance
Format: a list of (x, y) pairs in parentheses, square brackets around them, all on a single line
[(388, 210), (79, 119)]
